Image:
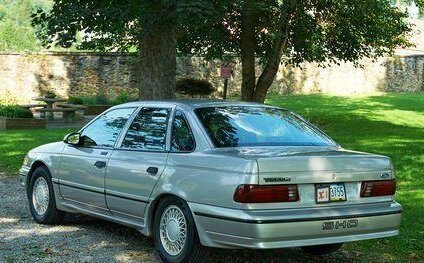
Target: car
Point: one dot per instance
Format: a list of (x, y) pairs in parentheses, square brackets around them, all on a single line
[(214, 173)]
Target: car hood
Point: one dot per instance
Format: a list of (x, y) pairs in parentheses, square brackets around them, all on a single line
[(55, 147)]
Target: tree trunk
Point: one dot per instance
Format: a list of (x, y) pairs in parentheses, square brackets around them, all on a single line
[(247, 46), (157, 62), (270, 71)]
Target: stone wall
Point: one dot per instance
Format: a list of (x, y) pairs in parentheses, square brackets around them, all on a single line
[(25, 76)]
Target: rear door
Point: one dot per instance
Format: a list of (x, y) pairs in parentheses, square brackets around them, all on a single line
[(82, 168), (137, 163)]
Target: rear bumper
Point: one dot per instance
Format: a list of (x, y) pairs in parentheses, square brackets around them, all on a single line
[(232, 228)]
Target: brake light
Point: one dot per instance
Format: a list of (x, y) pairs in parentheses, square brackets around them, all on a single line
[(247, 193), (378, 188)]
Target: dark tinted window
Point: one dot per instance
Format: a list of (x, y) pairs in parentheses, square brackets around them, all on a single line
[(148, 130), (182, 138), (258, 126), (105, 130)]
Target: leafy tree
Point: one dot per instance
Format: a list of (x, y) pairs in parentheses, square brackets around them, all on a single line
[(149, 27), (16, 32), (291, 31)]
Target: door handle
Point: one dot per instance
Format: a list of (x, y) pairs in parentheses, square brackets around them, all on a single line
[(100, 164), (152, 170)]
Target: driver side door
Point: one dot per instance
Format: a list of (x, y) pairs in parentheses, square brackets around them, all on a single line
[(82, 168)]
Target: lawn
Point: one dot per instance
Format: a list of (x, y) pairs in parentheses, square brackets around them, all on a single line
[(392, 125)]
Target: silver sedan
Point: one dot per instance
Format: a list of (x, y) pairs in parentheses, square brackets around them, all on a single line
[(214, 173)]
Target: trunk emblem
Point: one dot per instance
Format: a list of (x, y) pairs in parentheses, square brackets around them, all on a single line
[(334, 176), (385, 175), (277, 179)]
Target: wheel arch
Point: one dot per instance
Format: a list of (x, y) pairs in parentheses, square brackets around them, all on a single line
[(35, 165), (152, 210)]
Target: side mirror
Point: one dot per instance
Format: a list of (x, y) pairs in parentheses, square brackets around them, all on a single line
[(73, 138)]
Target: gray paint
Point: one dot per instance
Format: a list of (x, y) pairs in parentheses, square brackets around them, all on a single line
[(207, 178)]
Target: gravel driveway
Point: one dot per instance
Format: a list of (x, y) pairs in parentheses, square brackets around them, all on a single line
[(84, 239)]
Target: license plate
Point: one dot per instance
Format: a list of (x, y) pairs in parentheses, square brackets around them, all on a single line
[(326, 193)]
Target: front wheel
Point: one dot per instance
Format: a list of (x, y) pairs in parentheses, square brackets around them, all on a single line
[(41, 198), (175, 234), (320, 250)]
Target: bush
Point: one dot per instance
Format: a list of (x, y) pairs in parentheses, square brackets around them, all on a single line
[(98, 99), (76, 100), (49, 94), (194, 87), (101, 99), (123, 97), (14, 111)]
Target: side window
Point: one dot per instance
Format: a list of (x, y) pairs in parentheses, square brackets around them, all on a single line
[(104, 131), (181, 139), (148, 130)]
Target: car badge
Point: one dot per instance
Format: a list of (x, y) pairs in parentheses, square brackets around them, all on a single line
[(385, 175)]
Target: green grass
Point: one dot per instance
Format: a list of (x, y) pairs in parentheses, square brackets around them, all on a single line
[(14, 144), (392, 125)]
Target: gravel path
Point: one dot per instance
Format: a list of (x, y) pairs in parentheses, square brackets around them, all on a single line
[(84, 239)]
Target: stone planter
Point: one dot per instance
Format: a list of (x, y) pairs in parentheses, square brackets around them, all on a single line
[(21, 123), (96, 109)]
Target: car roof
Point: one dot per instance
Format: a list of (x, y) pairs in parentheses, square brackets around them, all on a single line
[(189, 103)]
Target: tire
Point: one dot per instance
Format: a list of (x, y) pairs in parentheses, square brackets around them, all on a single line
[(191, 250), (321, 250), (46, 213)]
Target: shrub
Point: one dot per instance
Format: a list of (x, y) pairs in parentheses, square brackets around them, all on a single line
[(98, 99), (194, 87), (76, 100), (124, 97), (14, 111), (48, 94), (101, 99)]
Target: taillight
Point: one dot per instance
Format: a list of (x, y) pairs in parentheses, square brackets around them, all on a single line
[(247, 193), (378, 188)]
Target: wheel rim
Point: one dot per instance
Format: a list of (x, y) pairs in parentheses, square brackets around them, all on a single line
[(173, 230), (40, 196)]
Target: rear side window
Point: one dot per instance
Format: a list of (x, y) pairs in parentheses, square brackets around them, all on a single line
[(148, 130), (182, 139), (105, 130)]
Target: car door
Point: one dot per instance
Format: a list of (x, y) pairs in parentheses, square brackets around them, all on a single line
[(82, 168), (137, 163)]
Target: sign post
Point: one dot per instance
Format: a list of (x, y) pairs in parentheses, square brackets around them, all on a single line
[(226, 72)]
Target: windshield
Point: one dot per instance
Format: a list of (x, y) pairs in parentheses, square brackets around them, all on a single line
[(235, 126)]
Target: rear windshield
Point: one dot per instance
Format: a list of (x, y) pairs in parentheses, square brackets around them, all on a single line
[(258, 126)]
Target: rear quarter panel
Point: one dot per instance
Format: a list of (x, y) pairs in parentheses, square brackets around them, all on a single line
[(207, 179)]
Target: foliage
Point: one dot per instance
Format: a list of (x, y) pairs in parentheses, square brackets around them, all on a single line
[(75, 100), (48, 94), (102, 99), (108, 25), (194, 87), (16, 32), (123, 97), (392, 125), (293, 32), (98, 99), (14, 111)]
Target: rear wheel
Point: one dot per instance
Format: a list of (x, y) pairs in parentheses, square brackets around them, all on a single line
[(320, 250), (175, 234), (41, 198)]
